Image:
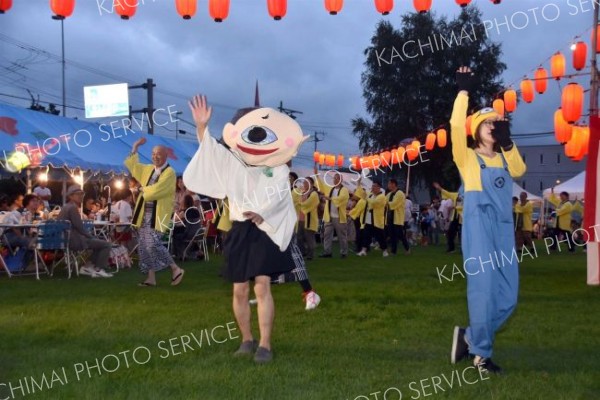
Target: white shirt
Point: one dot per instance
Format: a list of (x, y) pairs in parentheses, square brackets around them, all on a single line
[(40, 191), (216, 172), (333, 210), (408, 210), (123, 209)]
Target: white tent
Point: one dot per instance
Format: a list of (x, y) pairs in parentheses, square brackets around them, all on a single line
[(517, 192), (574, 186)]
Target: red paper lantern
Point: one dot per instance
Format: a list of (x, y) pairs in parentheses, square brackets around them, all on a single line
[(400, 152), (562, 129), (597, 31), (277, 8), (62, 8), (422, 6), (541, 80), (496, 1), (577, 147), (218, 9), (334, 6), (510, 100), (442, 138), (558, 65), (316, 156), (468, 125), (579, 55), (384, 6), (124, 9), (412, 152), (5, 5), (430, 141), (386, 158), (463, 3), (572, 102), (340, 160), (185, 8), (527, 90), (498, 106), (356, 163), (321, 159), (330, 160), (417, 145)]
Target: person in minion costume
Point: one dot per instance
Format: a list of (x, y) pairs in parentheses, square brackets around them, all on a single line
[(487, 169)]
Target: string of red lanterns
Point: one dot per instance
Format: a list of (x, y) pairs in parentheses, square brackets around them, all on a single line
[(62, 8), (5, 5)]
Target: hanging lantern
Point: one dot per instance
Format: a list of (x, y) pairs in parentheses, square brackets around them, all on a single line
[(340, 160), (496, 1), (572, 102), (442, 138), (417, 145), (400, 152), (558, 65), (330, 160), (384, 6), (334, 6), (277, 8), (5, 5), (394, 156), (356, 163), (527, 90), (562, 129), (498, 106), (579, 55), (541, 80), (412, 152), (585, 130), (463, 3), (386, 158), (430, 141), (125, 10), (321, 159), (597, 31), (577, 147), (510, 100), (316, 156), (218, 9), (62, 8), (422, 6), (186, 8)]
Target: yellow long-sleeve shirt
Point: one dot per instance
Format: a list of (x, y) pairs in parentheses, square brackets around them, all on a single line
[(397, 205), (563, 212), (458, 208), (377, 203), (358, 212), (465, 158), (340, 201), (524, 212), (310, 208)]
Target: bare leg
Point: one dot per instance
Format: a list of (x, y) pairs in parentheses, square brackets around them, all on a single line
[(241, 309), (266, 309), (174, 270), (151, 279)]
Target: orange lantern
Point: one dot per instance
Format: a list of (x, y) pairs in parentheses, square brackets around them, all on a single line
[(125, 10), (394, 158), (218, 9), (527, 90), (576, 147), (597, 31), (316, 156), (571, 149), (321, 159), (586, 139), (541, 80), (463, 3), (558, 65), (186, 8), (334, 6), (422, 6), (386, 158), (496, 1), (62, 8), (579, 55), (417, 145), (330, 160), (277, 8), (498, 106), (356, 163), (340, 160), (384, 6), (375, 161), (430, 141), (400, 152), (562, 129), (442, 138), (5, 5), (572, 102), (412, 152), (510, 100), (468, 125)]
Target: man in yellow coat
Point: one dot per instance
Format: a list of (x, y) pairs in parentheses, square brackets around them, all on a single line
[(153, 212), (334, 216), (375, 220), (395, 218), (564, 208)]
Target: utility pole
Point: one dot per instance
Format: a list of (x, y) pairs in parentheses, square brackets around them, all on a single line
[(149, 110), (287, 111), (318, 139)]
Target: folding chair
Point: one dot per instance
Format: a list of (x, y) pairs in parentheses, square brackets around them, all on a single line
[(53, 235), (199, 238)]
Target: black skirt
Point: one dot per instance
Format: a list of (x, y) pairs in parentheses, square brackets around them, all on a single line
[(249, 252)]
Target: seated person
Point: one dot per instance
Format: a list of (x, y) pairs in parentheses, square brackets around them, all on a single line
[(122, 213), (89, 208), (82, 239), (190, 216), (16, 237), (4, 206)]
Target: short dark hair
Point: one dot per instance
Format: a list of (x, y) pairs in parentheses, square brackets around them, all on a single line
[(294, 175), (564, 194), (377, 183), (27, 199), (515, 198), (393, 181)]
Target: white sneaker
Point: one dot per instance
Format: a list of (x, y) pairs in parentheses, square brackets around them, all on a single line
[(362, 253), (253, 302), (102, 273), (385, 253), (312, 300), (85, 270)]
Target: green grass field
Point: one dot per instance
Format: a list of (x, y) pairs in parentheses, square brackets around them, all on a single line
[(382, 324)]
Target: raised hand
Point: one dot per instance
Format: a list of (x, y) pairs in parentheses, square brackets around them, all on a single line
[(465, 79), (201, 113), (140, 142)]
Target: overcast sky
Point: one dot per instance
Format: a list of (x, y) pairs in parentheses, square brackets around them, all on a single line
[(309, 60)]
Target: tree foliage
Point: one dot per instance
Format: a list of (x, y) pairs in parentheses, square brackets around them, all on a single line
[(409, 82)]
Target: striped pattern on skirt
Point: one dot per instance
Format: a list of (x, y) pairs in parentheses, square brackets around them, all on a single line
[(151, 250), (299, 273)]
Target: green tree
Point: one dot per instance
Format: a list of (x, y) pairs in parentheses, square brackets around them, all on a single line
[(409, 83)]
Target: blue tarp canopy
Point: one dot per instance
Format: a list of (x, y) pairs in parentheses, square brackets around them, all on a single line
[(64, 142)]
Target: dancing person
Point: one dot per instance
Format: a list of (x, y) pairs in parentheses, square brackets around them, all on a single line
[(259, 245), (375, 221), (455, 209), (487, 169), (562, 228), (358, 213), (525, 209), (395, 218), (334, 216), (153, 211), (81, 239), (309, 206)]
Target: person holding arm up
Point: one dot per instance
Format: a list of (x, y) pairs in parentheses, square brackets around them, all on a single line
[(487, 169)]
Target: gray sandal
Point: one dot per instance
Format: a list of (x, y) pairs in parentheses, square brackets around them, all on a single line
[(246, 348), (263, 355)]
